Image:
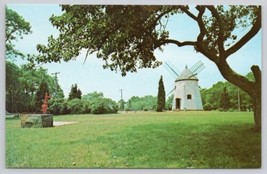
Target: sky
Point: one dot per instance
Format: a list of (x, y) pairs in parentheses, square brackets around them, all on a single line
[(91, 76)]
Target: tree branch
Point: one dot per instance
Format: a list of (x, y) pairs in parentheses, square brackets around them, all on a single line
[(230, 75), (253, 31), (176, 42), (201, 24), (190, 14), (220, 25), (257, 75)]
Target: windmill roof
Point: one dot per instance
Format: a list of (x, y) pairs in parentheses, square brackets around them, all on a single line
[(187, 74)]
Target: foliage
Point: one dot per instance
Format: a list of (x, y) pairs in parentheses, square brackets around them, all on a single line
[(99, 104), (224, 100), (130, 45), (121, 104), (169, 102), (136, 103), (22, 86), (94, 103), (210, 96), (138, 140), (12, 88), (161, 96), (56, 106), (75, 92), (16, 27)]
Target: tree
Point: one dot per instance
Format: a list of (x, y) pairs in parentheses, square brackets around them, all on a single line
[(210, 96), (161, 96), (23, 86), (224, 100), (238, 98), (127, 42), (169, 102), (98, 104), (12, 86), (75, 92), (16, 27), (145, 103)]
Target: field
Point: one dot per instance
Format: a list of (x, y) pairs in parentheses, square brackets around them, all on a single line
[(138, 140)]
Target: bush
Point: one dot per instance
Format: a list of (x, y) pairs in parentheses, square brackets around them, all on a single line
[(95, 104), (207, 107), (103, 106), (55, 105), (75, 106)]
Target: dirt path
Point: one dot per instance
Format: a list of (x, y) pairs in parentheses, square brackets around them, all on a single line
[(61, 123)]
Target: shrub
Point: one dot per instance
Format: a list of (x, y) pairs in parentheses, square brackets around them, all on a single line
[(55, 105)]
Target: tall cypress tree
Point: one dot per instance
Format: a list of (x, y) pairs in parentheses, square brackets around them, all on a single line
[(224, 100), (161, 96)]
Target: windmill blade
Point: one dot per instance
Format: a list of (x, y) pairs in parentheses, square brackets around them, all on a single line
[(170, 92), (174, 68), (170, 71), (171, 68), (198, 70), (197, 67), (171, 88)]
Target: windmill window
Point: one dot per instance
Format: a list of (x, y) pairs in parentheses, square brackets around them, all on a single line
[(189, 96)]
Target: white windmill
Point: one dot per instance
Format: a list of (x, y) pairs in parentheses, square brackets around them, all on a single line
[(186, 91)]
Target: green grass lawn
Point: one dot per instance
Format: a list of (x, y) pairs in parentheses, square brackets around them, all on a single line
[(138, 140)]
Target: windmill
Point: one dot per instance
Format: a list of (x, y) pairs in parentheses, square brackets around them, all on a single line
[(186, 91)]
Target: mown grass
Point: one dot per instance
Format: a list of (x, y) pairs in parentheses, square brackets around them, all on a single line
[(138, 140)]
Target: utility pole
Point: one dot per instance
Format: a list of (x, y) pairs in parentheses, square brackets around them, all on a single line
[(121, 94), (238, 98), (56, 80), (121, 101)]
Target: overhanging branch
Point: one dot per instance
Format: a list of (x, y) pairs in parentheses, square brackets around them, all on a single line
[(253, 31), (176, 42), (220, 25)]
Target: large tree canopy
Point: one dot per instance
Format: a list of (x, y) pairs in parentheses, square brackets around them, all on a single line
[(126, 36), (16, 27)]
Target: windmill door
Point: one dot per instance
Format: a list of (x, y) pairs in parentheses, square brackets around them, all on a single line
[(177, 103)]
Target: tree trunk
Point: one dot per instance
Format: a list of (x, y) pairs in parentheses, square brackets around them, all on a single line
[(257, 113), (257, 98), (252, 88)]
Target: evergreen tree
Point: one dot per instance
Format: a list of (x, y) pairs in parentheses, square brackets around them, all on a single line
[(161, 96), (75, 92), (224, 100)]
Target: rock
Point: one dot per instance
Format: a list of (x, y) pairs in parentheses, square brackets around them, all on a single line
[(36, 120)]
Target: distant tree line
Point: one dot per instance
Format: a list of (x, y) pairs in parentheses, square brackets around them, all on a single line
[(25, 90), (146, 103), (225, 96)]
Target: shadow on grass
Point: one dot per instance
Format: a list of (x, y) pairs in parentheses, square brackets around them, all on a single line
[(186, 146)]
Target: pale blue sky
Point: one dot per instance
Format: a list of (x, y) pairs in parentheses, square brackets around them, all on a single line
[(92, 77)]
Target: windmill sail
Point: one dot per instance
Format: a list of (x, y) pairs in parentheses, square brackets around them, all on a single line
[(170, 92), (197, 67), (171, 69)]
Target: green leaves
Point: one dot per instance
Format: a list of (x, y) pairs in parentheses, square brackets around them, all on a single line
[(16, 27), (124, 37)]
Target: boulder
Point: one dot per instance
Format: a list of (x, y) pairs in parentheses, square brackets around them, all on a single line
[(36, 120)]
